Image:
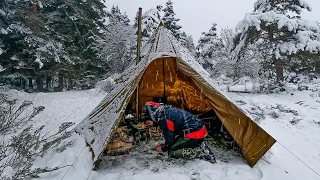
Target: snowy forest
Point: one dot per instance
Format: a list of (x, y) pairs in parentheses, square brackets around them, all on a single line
[(55, 45), (58, 60)]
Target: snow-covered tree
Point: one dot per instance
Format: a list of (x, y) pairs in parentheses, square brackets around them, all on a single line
[(208, 45), (187, 41), (149, 23), (47, 41), (116, 46), (170, 21), (224, 65), (277, 29), (115, 16)]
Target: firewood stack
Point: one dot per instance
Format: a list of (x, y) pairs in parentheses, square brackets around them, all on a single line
[(120, 143), (155, 132)]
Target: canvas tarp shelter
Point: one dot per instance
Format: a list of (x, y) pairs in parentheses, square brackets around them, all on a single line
[(167, 68)]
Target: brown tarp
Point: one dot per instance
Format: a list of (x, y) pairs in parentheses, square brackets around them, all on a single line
[(186, 89)]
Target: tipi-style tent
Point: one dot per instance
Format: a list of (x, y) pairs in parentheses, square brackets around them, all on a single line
[(167, 69)]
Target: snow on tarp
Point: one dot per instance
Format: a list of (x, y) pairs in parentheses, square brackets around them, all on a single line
[(98, 126)]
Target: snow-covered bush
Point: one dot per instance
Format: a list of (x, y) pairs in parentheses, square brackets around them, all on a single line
[(106, 85), (223, 80), (257, 113), (303, 81), (13, 116), (20, 146), (295, 121)]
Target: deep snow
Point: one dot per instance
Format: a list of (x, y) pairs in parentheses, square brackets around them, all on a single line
[(302, 139)]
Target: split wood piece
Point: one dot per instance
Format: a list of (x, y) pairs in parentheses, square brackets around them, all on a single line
[(141, 126), (155, 132), (119, 144), (120, 135), (117, 152)]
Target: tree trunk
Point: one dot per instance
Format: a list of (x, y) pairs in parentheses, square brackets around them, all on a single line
[(236, 68), (39, 83), (30, 83), (48, 82), (71, 84), (65, 81), (60, 86), (279, 70), (20, 82), (23, 84)]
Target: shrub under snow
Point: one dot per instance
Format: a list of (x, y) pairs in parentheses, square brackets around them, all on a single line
[(21, 143)]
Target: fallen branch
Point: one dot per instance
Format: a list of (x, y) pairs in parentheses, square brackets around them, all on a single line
[(233, 91)]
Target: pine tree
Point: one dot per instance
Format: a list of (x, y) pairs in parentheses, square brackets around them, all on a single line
[(207, 42), (170, 21), (276, 28), (208, 45), (223, 64), (115, 16), (50, 39), (71, 25), (187, 41), (149, 23)]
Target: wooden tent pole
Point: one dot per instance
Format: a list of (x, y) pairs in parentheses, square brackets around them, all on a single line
[(164, 83), (139, 35), (138, 58)]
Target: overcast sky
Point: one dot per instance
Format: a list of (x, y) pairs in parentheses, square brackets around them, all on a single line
[(197, 16)]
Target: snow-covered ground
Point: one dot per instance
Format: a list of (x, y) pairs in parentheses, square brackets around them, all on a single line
[(273, 111)]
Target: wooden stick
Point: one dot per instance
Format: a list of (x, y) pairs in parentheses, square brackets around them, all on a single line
[(239, 91), (138, 58), (139, 35)]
